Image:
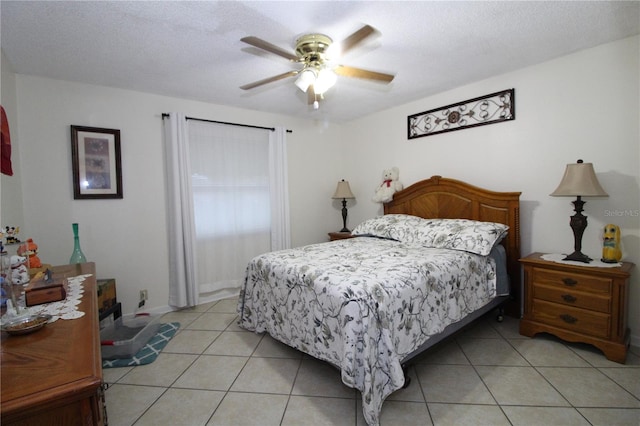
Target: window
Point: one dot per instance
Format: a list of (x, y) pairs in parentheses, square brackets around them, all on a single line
[(230, 186)]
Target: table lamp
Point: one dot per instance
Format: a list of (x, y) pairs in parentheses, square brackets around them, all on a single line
[(343, 191), (579, 181)]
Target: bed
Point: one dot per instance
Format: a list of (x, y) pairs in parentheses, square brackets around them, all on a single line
[(443, 254)]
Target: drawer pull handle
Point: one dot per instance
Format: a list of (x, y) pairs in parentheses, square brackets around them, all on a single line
[(568, 318), (569, 282), (569, 298)]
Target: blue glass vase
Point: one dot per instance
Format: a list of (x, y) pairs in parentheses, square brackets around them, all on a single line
[(77, 256)]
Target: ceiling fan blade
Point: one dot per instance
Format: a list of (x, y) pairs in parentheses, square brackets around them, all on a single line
[(265, 45), (360, 73), (311, 95), (356, 38), (269, 80)]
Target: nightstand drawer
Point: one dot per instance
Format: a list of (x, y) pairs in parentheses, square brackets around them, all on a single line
[(572, 281), (575, 319), (570, 297)]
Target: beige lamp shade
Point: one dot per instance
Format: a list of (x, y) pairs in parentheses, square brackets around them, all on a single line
[(579, 180), (343, 190)]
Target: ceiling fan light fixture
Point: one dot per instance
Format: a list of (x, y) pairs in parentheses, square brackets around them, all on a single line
[(325, 80), (306, 78), (315, 53)]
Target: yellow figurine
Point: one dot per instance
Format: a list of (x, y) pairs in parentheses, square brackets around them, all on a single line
[(611, 252)]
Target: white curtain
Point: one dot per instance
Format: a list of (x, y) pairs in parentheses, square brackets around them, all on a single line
[(239, 197), (230, 169), (279, 183), (183, 280)]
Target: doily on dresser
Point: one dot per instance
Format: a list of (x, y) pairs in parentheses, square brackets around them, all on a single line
[(559, 258), (66, 309)]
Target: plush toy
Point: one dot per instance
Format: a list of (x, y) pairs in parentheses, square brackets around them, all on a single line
[(19, 271), (30, 250), (611, 252), (389, 186)]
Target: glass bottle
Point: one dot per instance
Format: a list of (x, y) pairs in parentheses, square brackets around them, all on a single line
[(77, 256)]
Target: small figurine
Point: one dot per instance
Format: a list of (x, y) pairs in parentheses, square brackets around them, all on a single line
[(3, 293), (30, 250), (10, 234), (19, 271), (611, 252)]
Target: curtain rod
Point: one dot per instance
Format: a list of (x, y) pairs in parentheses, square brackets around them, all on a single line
[(165, 115)]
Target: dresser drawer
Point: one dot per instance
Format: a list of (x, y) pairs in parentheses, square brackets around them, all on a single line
[(572, 281), (570, 297), (570, 318)]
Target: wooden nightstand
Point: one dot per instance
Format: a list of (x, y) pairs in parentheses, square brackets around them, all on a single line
[(577, 303), (339, 235)]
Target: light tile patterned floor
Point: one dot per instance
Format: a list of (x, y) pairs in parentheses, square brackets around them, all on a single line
[(215, 373)]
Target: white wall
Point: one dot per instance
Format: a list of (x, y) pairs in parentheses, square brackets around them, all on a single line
[(585, 105), (126, 238)]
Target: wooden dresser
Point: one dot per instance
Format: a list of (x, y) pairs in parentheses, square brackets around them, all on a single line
[(54, 376), (577, 303)]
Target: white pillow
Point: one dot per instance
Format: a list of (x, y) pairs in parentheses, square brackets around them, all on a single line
[(456, 234)]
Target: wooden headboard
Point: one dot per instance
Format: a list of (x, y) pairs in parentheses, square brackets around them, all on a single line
[(444, 198)]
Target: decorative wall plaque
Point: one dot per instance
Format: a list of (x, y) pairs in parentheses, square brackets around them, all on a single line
[(489, 109)]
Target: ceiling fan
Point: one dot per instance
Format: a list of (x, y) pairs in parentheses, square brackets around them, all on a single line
[(315, 52)]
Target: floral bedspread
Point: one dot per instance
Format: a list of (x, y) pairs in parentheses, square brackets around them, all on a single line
[(363, 304)]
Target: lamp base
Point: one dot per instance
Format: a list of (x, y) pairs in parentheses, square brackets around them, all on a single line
[(344, 216), (577, 256), (578, 224)]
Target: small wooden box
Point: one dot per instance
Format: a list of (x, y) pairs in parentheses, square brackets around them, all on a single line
[(106, 294), (43, 291)]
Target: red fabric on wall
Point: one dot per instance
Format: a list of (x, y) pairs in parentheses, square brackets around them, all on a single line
[(5, 144)]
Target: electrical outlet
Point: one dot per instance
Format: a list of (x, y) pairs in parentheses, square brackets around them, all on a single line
[(144, 295)]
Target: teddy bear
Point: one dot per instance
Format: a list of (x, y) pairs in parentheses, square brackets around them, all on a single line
[(19, 271), (30, 250), (389, 186)]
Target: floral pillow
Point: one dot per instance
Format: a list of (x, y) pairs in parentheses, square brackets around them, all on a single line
[(455, 234), (387, 226), (460, 234)]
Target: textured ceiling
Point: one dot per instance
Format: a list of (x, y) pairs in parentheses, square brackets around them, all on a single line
[(193, 50)]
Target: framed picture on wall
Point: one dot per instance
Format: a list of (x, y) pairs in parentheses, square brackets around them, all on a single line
[(97, 170)]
